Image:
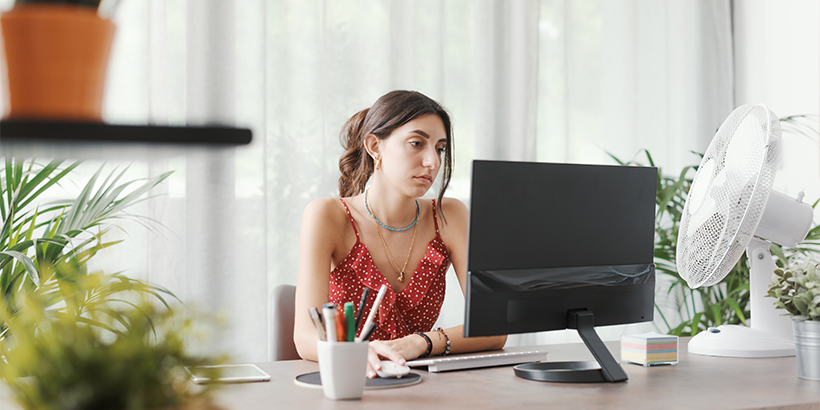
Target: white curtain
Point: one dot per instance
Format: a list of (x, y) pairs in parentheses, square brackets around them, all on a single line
[(548, 80)]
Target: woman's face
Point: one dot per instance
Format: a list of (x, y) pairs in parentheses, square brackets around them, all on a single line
[(411, 155)]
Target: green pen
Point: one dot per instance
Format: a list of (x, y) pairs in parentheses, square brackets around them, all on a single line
[(351, 321)]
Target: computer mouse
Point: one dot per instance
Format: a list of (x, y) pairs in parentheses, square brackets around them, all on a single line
[(391, 370)]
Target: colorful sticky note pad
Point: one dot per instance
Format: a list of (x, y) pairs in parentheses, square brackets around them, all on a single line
[(649, 349)]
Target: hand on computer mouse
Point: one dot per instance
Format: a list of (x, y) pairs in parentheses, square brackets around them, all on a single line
[(392, 370)]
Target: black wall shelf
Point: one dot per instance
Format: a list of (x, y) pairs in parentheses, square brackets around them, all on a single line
[(27, 131)]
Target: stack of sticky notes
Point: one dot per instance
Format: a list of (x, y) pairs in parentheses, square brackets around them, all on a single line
[(649, 349)]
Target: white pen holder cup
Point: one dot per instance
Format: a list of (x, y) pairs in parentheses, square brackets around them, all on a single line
[(343, 368)]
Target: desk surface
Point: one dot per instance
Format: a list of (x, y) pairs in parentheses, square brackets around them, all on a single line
[(697, 382)]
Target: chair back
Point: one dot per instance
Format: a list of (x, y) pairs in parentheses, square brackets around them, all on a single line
[(282, 304)]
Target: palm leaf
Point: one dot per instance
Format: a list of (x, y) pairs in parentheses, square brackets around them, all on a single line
[(30, 269), (45, 248), (738, 311)]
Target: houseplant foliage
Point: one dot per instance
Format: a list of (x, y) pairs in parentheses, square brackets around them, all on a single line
[(131, 358), (797, 290), (72, 338), (727, 302), (703, 307), (35, 238)]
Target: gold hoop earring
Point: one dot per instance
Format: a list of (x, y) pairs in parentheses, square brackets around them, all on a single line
[(378, 163)]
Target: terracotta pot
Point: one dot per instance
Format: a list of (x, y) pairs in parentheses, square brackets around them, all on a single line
[(56, 59)]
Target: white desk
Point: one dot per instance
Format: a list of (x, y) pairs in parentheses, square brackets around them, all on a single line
[(697, 382)]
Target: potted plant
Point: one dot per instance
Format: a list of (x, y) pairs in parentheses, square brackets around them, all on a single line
[(56, 59), (120, 353), (729, 302), (71, 338), (797, 290), (35, 237), (704, 307)]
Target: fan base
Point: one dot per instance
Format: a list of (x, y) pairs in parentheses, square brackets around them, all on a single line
[(740, 341)]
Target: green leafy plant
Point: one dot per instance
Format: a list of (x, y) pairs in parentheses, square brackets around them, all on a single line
[(35, 238), (132, 357), (797, 290), (704, 307), (71, 338), (727, 302)]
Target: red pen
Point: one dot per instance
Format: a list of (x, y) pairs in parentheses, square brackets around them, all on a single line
[(341, 326)]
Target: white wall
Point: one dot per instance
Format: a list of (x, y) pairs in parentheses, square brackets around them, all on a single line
[(777, 62)]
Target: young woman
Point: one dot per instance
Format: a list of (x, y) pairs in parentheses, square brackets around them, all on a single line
[(383, 234)]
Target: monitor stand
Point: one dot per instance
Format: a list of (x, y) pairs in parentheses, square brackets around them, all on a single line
[(604, 369)]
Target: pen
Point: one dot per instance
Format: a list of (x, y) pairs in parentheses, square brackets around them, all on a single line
[(373, 310), (329, 311), (365, 294), (366, 335), (317, 321), (350, 321), (341, 325)]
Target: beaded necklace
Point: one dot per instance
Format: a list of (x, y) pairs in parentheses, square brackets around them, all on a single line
[(418, 212)]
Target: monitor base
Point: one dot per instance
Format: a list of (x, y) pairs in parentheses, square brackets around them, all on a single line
[(565, 372), (604, 369)]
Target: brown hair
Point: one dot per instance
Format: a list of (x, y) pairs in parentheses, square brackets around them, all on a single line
[(389, 112)]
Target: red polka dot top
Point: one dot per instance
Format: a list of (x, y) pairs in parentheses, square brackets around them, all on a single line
[(415, 308)]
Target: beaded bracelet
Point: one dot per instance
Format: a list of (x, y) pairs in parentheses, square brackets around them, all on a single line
[(447, 346), (429, 344)]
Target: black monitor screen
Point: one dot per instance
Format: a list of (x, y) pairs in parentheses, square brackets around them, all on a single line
[(546, 239)]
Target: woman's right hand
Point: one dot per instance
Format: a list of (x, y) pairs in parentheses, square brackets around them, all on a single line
[(378, 351), (398, 351)]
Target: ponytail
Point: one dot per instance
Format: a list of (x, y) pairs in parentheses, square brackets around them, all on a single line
[(355, 164)]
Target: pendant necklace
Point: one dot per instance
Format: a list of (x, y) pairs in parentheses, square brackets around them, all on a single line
[(384, 243)]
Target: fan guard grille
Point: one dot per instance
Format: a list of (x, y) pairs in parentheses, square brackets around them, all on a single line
[(728, 195)]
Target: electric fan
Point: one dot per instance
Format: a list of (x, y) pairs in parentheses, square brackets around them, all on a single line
[(731, 208)]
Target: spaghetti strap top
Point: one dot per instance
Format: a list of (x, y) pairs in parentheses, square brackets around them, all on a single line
[(415, 308), (350, 217)]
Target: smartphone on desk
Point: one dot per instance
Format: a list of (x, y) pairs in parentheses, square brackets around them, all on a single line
[(227, 373)]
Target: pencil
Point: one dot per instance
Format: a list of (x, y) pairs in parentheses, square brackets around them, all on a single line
[(317, 321)]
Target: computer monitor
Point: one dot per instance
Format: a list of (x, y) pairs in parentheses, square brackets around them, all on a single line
[(556, 246)]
